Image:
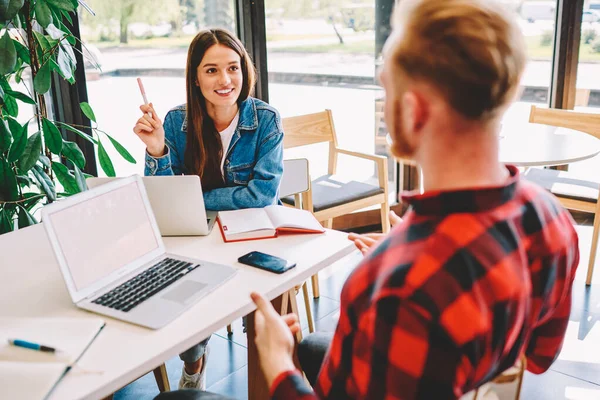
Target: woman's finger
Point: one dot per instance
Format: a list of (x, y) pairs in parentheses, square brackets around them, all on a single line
[(141, 128), (151, 121)]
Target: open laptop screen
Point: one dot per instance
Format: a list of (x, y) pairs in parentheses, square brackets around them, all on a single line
[(102, 234)]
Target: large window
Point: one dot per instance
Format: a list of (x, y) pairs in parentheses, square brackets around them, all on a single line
[(321, 55), (145, 38)]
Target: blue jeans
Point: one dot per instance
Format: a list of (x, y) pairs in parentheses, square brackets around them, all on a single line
[(195, 352)]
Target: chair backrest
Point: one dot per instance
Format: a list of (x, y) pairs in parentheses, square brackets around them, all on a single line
[(295, 178), (308, 129), (584, 122)]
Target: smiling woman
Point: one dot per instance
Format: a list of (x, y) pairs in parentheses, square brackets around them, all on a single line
[(233, 141)]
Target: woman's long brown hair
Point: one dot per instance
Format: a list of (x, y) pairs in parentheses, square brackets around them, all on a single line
[(204, 149)]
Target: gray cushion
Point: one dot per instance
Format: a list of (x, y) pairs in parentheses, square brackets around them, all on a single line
[(327, 192), (564, 184)]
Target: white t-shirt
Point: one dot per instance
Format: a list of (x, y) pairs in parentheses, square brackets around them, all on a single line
[(226, 136)]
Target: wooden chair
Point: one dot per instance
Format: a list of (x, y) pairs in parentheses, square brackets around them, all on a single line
[(327, 197), (572, 192), (511, 375), (294, 182)]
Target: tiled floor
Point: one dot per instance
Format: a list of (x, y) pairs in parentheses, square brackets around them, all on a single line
[(575, 375)]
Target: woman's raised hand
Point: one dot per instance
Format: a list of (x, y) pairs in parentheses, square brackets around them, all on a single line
[(149, 128)]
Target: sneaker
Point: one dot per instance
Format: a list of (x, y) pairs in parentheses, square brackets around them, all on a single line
[(195, 381)]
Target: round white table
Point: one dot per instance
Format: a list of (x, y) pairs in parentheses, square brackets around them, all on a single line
[(529, 145)]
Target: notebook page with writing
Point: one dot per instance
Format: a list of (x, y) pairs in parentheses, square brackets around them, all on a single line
[(70, 336), (287, 217), (31, 381)]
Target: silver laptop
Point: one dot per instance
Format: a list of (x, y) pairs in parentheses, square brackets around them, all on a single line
[(177, 202), (113, 259)]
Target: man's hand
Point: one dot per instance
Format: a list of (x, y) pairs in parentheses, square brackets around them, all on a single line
[(365, 242), (274, 338)]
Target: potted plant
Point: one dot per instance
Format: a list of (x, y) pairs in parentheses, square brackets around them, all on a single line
[(37, 165)]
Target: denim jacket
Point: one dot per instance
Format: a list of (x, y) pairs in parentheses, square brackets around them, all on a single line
[(253, 163)]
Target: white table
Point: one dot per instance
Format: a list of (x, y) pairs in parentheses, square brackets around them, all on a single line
[(31, 285), (529, 145)]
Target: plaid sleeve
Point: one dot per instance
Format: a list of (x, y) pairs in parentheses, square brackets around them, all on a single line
[(547, 337), (291, 385)]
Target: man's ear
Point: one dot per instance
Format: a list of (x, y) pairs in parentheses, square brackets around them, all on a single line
[(415, 112)]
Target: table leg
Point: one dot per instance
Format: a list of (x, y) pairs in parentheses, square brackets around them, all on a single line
[(257, 385)]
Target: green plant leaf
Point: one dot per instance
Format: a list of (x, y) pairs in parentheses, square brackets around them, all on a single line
[(42, 13), (12, 108), (67, 16), (65, 5), (87, 111), (24, 180), (5, 136), (10, 103), (105, 162), (52, 136), (1, 91), (22, 52), (21, 96), (65, 178), (31, 154), (77, 131), (25, 219), (45, 161), (64, 64), (19, 134), (6, 220), (122, 150), (10, 8), (8, 54), (9, 189), (80, 179), (44, 181), (31, 200), (72, 152), (42, 40), (41, 82)]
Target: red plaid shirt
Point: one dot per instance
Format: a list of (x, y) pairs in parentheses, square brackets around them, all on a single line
[(467, 283)]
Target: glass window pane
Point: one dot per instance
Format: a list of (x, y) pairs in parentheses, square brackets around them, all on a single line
[(587, 96), (321, 55), (537, 20), (145, 38)]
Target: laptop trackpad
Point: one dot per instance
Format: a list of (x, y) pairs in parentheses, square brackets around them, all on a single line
[(184, 291)]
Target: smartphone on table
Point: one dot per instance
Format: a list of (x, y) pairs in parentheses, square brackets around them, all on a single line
[(267, 262)]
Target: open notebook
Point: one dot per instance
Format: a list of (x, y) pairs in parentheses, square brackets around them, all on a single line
[(32, 374), (262, 223)]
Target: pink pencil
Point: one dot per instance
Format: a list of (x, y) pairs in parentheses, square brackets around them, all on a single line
[(141, 85)]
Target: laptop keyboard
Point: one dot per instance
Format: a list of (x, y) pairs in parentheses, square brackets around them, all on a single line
[(145, 285)]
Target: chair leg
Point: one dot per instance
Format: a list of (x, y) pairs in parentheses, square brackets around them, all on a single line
[(521, 375), (385, 217), (294, 308), (315, 286), (309, 316), (162, 379), (590, 271), (229, 329)]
